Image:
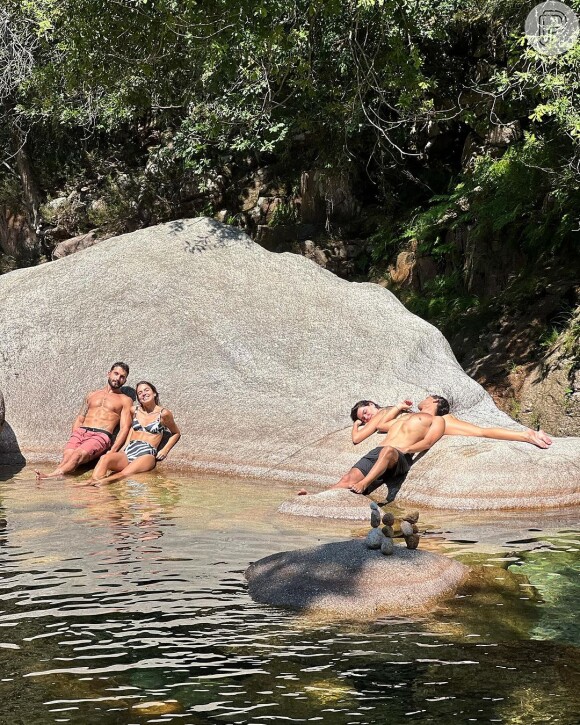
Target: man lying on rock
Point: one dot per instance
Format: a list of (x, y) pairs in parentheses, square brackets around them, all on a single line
[(92, 432), (410, 433)]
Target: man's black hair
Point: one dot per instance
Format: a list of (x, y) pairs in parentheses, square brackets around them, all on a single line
[(442, 404), (121, 365), (361, 404)]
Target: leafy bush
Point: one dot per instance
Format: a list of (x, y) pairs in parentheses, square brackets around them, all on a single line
[(285, 212), (443, 301)]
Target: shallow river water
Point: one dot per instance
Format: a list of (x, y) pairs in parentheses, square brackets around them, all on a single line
[(128, 604)]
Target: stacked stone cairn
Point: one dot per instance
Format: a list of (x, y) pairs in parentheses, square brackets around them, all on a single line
[(410, 530), (383, 538)]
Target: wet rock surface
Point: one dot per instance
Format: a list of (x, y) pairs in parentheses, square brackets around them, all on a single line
[(333, 504)]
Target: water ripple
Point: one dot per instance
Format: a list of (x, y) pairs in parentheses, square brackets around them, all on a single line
[(130, 603)]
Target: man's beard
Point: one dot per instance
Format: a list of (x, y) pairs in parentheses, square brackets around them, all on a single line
[(114, 383)]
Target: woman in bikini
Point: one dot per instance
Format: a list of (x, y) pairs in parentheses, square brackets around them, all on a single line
[(140, 454)]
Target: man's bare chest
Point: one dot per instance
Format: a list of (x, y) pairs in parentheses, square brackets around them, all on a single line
[(102, 400)]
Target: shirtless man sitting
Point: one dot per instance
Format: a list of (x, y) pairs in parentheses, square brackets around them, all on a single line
[(93, 427)]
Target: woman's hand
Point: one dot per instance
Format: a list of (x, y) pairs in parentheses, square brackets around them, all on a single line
[(161, 456)]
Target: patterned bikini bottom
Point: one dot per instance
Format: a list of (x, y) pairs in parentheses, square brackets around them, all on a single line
[(136, 449)]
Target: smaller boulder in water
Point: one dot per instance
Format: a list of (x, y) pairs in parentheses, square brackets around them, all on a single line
[(349, 581)]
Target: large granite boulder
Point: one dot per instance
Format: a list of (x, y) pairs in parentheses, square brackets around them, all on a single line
[(2, 411), (351, 581), (259, 355)]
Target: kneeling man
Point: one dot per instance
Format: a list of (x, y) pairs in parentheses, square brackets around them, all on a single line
[(102, 411)]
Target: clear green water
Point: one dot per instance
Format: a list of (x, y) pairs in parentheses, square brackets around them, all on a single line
[(115, 598)]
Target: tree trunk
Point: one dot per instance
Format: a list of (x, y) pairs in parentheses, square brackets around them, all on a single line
[(29, 242), (30, 193)]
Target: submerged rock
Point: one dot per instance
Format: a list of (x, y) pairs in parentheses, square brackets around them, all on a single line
[(349, 580), (157, 707), (336, 503), (260, 356)]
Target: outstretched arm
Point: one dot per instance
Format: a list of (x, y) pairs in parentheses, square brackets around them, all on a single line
[(435, 432)]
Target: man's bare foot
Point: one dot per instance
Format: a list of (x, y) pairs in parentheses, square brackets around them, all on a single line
[(40, 476), (89, 482), (302, 492), (539, 438)]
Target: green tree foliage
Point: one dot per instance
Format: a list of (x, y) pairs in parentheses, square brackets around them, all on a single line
[(358, 84), (235, 75)]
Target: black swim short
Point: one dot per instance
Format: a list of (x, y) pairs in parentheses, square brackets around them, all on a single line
[(401, 469)]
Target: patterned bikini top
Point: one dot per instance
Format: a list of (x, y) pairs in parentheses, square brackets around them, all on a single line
[(155, 427)]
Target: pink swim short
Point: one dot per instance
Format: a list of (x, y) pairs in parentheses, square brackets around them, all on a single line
[(92, 442)]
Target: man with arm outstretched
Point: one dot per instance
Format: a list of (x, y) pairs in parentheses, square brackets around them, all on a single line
[(366, 411), (410, 433)]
